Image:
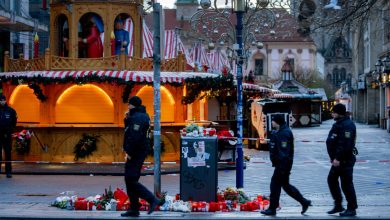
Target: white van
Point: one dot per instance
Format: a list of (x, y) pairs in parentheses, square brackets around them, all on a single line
[(262, 112)]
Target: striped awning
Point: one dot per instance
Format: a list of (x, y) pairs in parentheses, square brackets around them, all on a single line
[(248, 86), (135, 76), (283, 96)]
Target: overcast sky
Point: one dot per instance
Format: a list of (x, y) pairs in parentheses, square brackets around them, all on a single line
[(167, 3)]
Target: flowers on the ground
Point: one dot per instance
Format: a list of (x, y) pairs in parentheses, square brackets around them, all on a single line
[(22, 141), (228, 200)]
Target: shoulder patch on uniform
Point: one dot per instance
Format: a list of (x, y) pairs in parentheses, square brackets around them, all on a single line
[(284, 144), (347, 134)]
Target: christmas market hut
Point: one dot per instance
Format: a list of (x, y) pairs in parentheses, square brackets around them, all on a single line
[(74, 97), (305, 103)]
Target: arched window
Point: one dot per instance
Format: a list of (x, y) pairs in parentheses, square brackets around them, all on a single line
[(26, 104), (63, 36), (343, 74), (84, 104), (167, 103), (336, 77)]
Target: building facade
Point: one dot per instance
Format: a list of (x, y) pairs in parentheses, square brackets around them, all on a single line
[(19, 21), (370, 87)]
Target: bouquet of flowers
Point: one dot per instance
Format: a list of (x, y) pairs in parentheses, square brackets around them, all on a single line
[(22, 141)]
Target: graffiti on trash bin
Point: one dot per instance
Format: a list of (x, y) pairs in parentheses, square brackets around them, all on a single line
[(190, 178)]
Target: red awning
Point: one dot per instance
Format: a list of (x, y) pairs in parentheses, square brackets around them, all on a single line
[(135, 76)]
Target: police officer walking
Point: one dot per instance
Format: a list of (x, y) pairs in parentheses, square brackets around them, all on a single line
[(8, 119), (136, 146), (341, 149), (281, 149)]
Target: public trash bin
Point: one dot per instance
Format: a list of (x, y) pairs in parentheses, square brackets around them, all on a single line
[(198, 168)]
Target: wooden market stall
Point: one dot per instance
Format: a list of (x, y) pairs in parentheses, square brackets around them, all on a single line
[(69, 91)]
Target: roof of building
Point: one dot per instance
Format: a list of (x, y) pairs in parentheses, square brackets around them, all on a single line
[(298, 91)]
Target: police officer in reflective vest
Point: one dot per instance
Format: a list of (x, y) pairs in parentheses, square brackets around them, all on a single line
[(341, 149), (281, 150), (136, 146), (8, 119)]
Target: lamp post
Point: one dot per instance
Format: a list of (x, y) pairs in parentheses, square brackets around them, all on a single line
[(253, 19), (378, 70), (386, 69)]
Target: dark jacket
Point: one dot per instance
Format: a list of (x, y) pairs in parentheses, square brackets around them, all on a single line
[(281, 148), (341, 141), (8, 119), (136, 141)]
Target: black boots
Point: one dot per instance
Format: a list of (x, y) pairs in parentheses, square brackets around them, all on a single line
[(348, 213), (305, 206), (336, 209), (268, 212), (130, 213)]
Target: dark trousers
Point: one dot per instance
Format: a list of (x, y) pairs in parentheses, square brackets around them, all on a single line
[(345, 173), (6, 145), (136, 190), (281, 179)]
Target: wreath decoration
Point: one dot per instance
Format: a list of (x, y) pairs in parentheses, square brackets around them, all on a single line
[(22, 141), (86, 146)]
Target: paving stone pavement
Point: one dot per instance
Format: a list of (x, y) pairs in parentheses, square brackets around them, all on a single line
[(29, 196)]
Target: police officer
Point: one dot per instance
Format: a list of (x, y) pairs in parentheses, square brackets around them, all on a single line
[(136, 146), (341, 149), (8, 119), (281, 149)]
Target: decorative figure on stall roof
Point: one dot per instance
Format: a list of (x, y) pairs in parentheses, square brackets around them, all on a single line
[(121, 37), (93, 42), (332, 5)]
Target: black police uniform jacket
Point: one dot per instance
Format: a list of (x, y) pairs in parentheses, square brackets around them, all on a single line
[(341, 141), (8, 119), (281, 148), (136, 141)]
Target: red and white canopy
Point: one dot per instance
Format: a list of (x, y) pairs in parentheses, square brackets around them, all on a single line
[(135, 76), (248, 86), (217, 61), (198, 56), (147, 38), (283, 96)]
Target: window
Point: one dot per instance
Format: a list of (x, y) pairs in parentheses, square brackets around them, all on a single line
[(386, 27), (259, 67), (18, 49), (291, 62)]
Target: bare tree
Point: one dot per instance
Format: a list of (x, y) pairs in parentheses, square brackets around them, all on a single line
[(344, 15), (312, 78)]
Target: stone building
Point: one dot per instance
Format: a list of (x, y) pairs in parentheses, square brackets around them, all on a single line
[(19, 21), (371, 42)]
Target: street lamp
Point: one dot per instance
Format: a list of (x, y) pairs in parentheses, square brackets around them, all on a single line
[(386, 69), (378, 70), (253, 19)]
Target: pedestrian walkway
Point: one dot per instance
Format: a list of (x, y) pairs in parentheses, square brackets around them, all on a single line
[(29, 196)]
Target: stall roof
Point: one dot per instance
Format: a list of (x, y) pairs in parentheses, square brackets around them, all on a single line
[(135, 76), (126, 75)]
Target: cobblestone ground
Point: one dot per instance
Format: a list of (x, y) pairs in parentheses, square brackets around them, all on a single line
[(310, 170)]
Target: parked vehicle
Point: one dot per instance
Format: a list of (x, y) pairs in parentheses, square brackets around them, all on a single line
[(262, 112)]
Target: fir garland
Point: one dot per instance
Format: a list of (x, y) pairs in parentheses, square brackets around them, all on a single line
[(86, 146), (37, 91), (209, 86), (126, 92)]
